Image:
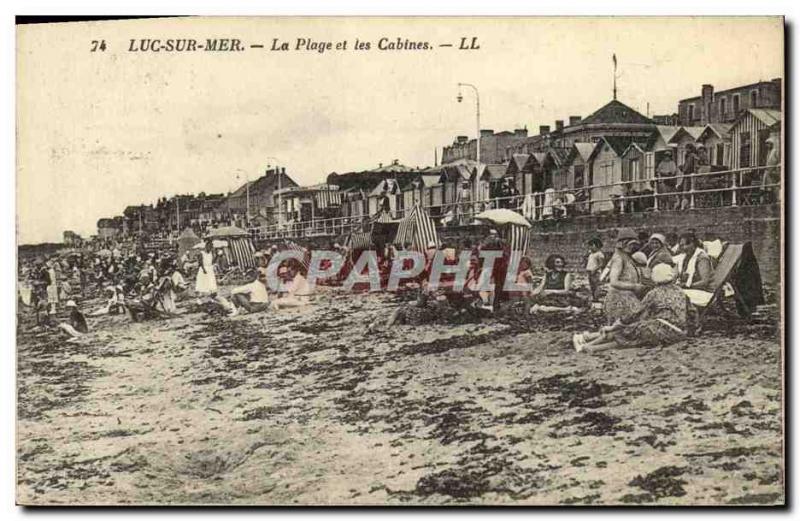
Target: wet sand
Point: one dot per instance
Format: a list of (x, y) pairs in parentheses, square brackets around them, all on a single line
[(304, 407)]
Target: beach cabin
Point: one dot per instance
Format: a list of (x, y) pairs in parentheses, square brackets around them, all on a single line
[(487, 181), (606, 167), (716, 139), (683, 137), (749, 135), (556, 174), (384, 197)]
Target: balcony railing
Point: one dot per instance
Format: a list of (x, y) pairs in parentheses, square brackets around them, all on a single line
[(729, 188)]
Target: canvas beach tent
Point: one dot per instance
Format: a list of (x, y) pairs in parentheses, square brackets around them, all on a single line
[(418, 229), (240, 250)]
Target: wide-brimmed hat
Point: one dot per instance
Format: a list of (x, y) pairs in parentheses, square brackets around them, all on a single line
[(71, 304), (626, 234), (659, 237), (639, 258), (662, 274)]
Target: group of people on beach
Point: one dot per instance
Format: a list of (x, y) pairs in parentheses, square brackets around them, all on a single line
[(643, 286)]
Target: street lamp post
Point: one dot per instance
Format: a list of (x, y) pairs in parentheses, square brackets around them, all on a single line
[(247, 194), (280, 196), (477, 116)]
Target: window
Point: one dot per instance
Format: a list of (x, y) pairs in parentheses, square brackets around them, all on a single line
[(744, 150), (735, 104), (722, 106), (719, 160), (690, 110), (635, 175), (753, 98), (579, 176)]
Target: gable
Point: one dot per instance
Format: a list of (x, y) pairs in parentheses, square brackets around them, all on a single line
[(616, 112)]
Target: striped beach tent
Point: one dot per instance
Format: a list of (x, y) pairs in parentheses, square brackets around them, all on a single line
[(516, 236), (418, 229), (291, 245), (360, 241), (242, 251)]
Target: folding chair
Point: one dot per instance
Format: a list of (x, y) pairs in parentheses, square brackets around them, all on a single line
[(737, 266)]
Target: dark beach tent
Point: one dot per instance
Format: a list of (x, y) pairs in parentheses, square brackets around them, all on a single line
[(186, 241), (240, 250), (384, 230), (418, 229)]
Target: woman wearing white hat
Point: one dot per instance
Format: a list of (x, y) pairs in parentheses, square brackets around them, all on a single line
[(660, 319), (77, 326)]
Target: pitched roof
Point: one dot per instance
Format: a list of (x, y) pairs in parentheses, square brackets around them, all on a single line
[(493, 171), (558, 155), (584, 150), (392, 167), (721, 130), (387, 185), (694, 131), (767, 116), (520, 160), (667, 132), (618, 144), (616, 112)]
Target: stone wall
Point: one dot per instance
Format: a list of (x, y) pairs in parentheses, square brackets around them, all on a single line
[(760, 225)]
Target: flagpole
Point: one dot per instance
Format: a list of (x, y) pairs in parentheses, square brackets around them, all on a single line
[(614, 57)]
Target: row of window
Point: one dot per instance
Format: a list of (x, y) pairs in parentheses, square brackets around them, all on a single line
[(723, 105)]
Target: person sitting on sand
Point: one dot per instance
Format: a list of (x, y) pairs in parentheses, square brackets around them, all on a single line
[(113, 305), (659, 251), (625, 284), (555, 292), (299, 291), (252, 297), (427, 309), (660, 319), (595, 263), (77, 326)]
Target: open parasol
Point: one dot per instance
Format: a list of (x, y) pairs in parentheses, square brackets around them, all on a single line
[(502, 216), (217, 243)]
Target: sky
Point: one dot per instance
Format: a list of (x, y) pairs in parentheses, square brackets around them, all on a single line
[(98, 131)]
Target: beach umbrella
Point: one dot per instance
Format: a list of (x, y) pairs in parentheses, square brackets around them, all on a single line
[(217, 243), (502, 216), (186, 241)]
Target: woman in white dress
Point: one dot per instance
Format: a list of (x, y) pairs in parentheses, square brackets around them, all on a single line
[(206, 281)]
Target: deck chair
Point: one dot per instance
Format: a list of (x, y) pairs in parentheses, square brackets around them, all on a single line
[(737, 266)]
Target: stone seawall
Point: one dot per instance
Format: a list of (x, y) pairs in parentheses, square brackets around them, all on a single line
[(760, 225)]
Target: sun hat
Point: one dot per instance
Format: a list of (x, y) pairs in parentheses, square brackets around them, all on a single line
[(626, 234), (71, 304), (639, 258), (662, 273), (659, 237), (431, 244)]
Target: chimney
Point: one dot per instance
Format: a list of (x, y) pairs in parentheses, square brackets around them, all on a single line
[(461, 139), (283, 170), (708, 93), (521, 132), (380, 165), (559, 125), (486, 132), (574, 120), (544, 129)]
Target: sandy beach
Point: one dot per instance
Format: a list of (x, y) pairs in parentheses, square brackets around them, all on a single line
[(305, 407)]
